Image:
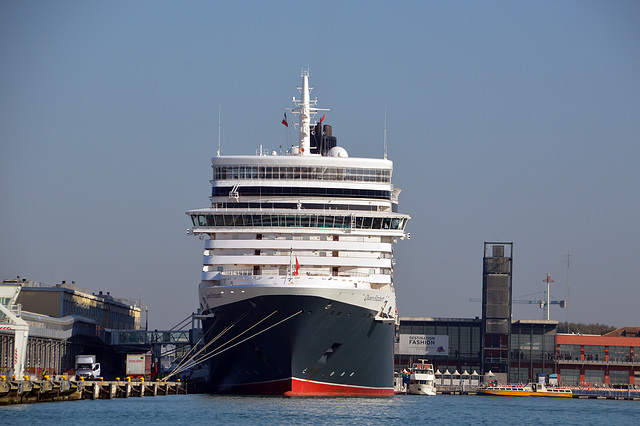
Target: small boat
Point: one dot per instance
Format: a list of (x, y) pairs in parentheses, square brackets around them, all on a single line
[(530, 389), (422, 379)]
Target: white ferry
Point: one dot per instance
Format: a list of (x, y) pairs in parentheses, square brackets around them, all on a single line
[(422, 379), (297, 293)]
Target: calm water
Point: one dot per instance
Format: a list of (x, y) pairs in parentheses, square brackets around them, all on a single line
[(399, 410)]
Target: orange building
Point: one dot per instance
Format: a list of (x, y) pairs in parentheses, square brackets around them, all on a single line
[(613, 358)]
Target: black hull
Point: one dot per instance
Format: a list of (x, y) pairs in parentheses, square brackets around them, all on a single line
[(299, 345)]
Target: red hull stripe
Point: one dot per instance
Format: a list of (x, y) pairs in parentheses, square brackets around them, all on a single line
[(300, 387)]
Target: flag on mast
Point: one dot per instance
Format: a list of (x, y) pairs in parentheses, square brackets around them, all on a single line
[(297, 266), (284, 120)]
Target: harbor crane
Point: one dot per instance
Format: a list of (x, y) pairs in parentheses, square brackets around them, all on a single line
[(544, 304)]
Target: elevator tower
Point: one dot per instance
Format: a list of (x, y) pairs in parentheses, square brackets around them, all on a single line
[(496, 307)]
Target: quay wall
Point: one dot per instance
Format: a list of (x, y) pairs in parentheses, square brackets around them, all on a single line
[(32, 391)]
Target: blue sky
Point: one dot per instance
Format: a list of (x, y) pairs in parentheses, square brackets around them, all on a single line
[(510, 121)]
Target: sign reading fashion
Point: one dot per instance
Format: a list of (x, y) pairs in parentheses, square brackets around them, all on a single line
[(420, 344)]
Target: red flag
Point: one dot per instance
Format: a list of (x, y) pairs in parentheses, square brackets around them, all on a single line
[(322, 119), (284, 120), (297, 266)]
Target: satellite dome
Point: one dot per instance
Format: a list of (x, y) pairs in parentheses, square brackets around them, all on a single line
[(337, 151)]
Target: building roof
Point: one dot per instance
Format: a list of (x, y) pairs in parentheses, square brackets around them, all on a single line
[(581, 339), (624, 332)]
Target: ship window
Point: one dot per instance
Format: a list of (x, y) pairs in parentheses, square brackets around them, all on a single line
[(366, 222), (305, 173), (290, 221), (298, 221)]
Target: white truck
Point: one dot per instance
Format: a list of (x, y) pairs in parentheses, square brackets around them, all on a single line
[(139, 366), (87, 367)]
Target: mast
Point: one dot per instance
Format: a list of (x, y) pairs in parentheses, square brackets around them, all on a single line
[(305, 115), (306, 108), (546, 304)]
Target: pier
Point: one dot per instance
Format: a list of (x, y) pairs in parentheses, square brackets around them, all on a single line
[(598, 393), (50, 390)]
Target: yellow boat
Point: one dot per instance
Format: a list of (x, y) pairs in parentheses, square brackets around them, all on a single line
[(531, 389)]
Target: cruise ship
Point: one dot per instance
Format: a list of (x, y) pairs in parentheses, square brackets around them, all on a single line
[(297, 295)]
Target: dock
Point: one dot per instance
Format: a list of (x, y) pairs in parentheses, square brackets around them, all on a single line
[(33, 391), (577, 392), (607, 393), (457, 389)]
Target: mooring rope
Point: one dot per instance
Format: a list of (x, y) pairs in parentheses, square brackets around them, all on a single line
[(186, 361), (250, 337), (194, 361)]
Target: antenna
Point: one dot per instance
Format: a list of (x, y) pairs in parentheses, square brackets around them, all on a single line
[(385, 132), (219, 127), (568, 291)]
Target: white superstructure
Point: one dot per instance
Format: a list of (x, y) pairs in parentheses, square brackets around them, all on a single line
[(302, 222)]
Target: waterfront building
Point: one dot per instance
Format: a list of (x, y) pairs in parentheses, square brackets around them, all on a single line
[(612, 359), (450, 344), (64, 321), (65, 299), (532, 350), (536, 349)]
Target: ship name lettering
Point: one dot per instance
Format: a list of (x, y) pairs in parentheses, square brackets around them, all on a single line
[(369, 298)]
